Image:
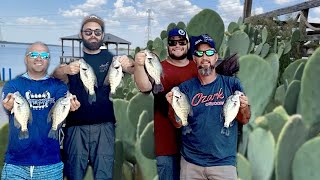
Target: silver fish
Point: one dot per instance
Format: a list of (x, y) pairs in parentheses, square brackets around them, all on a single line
[(58, 114), (115, 74), (181, 106), (88, 79), (154, 69), (231, 108), (22, 114)]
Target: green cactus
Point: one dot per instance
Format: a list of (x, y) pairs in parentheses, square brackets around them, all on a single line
[(261, 154), (298, 74), (118, 160), (292, 96), (273, 59), (280, 94), (137, 105), (150, 45), (264, 35), (158, 46), (292, 136), (306, 161), (258, 49), (258, 85), (181, 25), (273, 121), (144, 119), (243, 167), (147, 142), (290, 70), (209, 22), (163, 34), (171, 26), (163, 55), (89, 174), (233, 27), (309, 94), (239, 42), (4, 131), (287, 47), (295, 36), (265, 50)]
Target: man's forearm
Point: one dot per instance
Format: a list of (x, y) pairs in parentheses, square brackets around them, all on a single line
[(59, 73), (142, 80)]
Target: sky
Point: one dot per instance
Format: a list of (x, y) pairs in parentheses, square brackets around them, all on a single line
[(49, 20)]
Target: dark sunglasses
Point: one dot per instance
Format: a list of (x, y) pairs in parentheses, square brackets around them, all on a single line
[(88, 32), (174, 42), (35, 55), (209, 52)]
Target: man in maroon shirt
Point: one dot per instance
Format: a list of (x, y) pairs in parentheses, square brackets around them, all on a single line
[(176, 69)]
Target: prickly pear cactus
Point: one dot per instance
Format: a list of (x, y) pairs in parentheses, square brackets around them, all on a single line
[(292, 96), (239, 43), (309, 99), (290, 70), (209, 22), (261, 153), (243, 167), (293, 135), (306, 161)]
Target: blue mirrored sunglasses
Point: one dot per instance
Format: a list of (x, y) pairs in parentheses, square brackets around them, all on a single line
[(35, 55), (209, 52)]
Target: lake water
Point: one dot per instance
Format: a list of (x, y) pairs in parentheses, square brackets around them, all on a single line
[(12, 56)]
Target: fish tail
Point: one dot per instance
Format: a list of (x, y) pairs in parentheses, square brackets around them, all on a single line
[(24, 134), (157, 88), (53, 134), (92, 98)]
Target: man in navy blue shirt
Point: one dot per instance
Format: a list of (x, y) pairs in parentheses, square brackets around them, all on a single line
[(207, 152)]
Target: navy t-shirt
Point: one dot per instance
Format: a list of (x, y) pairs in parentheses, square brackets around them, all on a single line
[(205, 145), (38, 149), (100, 111)]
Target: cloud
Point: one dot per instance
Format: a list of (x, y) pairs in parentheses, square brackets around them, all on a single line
[(257, 10), (282, 1), (84, 9), (33, 21), (230, 10)]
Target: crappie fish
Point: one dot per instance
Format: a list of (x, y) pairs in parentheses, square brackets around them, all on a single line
[(231, 108), (22, 114), (58, 114), (115, 74), (154, 69), (88, 79), (181, 106)]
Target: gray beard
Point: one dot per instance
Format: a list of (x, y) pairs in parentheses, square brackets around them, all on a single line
[(205, 71)]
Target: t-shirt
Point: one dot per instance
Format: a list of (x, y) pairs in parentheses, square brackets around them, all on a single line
[(100, 111), (38, 149), (166, 135), (206, 145)]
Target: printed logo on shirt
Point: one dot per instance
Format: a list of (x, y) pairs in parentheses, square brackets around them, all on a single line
[(104, 67), (214, 99), (39, 101)]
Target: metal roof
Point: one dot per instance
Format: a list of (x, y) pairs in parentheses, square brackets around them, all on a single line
[(108, 38)]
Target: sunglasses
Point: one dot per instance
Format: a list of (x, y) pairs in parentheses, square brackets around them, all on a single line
[(209, 52), (35, 55), (88, 32), (174, 42)]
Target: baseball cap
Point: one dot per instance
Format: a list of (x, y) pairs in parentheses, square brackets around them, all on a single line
[(203, 38), (178, 32), (93, 18)]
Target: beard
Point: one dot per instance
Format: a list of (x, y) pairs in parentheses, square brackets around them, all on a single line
[(174, 57), (205, 70), (92, 45)]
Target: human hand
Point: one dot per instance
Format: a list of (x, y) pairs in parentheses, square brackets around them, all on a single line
[(243, 101), (72, 68), (126, 63), (75, 104), (140, 58), (169, 97), (8, 102)]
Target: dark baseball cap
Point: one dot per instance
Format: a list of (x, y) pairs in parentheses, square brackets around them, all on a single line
[(178, 32)]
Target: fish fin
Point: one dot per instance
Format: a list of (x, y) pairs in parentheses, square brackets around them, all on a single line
[(53, 134), (106, 80), (157, 88), (110, 96), (177, 118), (12, 111), (191, 112), (24, 134), (30, 118), (49, 119), (92, 98), (16, 123)]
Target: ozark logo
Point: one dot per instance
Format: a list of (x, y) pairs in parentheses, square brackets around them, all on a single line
[(104, 67)]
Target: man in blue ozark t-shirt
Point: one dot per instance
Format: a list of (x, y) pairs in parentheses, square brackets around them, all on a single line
[(208, 148), (34, 155)]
